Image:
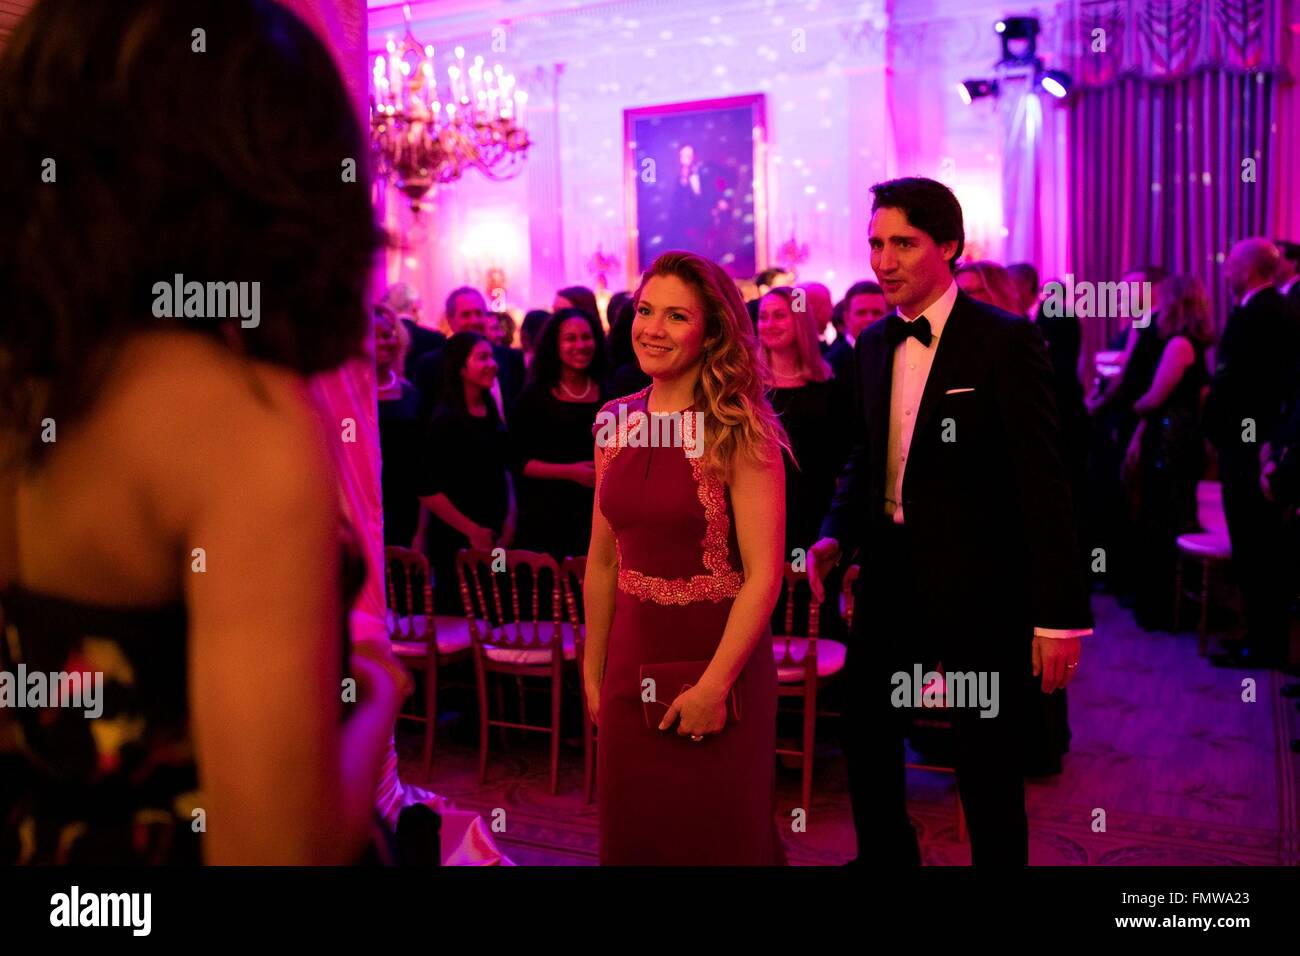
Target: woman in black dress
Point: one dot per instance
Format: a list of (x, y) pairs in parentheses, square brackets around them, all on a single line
[(814, 407), (551, 435), (1166, 455), (399, 430), (465, 483)]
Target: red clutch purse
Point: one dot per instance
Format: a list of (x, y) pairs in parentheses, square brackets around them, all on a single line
[(662, 683)]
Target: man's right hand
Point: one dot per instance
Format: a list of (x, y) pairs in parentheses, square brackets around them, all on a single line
[(823, 556)]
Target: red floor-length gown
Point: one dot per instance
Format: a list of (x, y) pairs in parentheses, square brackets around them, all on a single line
[(663, 798)]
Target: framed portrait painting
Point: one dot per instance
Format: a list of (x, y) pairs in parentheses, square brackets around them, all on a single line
[(695, 180)]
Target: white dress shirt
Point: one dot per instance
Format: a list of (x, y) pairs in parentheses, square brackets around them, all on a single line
[(912, 362)]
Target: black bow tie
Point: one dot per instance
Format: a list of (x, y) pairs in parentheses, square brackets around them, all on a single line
[(897, 329)]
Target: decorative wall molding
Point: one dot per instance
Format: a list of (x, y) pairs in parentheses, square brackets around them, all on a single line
[(566, 34)]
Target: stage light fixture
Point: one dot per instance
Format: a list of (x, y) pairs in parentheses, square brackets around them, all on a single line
[(971, 90), (1019, 36), (1055, 82)]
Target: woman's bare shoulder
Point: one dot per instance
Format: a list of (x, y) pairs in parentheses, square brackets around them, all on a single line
[(193, 414)]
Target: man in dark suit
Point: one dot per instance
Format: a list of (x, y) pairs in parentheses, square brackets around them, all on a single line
[(467, 312), (864, 304), (403, 301), (956, 494), (1255, 367)]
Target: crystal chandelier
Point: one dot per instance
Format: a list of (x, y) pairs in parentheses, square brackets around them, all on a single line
[(424, 136)]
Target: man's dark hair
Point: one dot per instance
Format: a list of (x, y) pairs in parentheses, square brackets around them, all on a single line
[(1026, 269), (1289, 250), (928, 205), (456, 293), (863, 287)]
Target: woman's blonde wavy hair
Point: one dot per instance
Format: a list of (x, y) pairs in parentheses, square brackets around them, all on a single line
[(1000, 288), (738, 419)]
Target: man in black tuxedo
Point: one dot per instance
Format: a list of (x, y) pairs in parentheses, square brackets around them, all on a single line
[(956, 494), (1255, 368), (467, 312)]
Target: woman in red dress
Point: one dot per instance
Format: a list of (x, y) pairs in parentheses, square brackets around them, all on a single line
[(684, 568)]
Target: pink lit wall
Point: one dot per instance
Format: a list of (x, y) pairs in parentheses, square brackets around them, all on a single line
[(856, 92)]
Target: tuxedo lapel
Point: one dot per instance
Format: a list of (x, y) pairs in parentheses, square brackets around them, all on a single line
[(951, 347), (877, 377)]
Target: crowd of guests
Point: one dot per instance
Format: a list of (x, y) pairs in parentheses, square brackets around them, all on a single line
[(486, 429), (1186, 404)]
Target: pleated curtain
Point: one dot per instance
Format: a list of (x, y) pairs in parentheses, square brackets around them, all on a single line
[(1174, 146)]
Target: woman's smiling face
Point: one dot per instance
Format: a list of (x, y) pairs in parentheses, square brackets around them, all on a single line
[(577, 344), (668, 328), (480, 366), (775, 322)]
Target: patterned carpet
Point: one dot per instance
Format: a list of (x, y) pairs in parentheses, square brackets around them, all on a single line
[(1186, 772)]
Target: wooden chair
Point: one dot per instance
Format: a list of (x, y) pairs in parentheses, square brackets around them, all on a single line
[(846, 603), (804, 664), (573, 571), (422, 641), (1209, 549), (538, 651)]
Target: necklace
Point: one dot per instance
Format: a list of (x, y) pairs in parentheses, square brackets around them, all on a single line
[(577, 396), (392, 381)]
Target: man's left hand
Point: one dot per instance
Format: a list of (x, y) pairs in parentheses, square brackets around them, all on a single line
[(1053, 657)]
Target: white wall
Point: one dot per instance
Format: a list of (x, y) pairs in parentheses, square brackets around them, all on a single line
[(866, 91)]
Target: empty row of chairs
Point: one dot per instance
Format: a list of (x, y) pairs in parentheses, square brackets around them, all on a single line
[(523, 617)]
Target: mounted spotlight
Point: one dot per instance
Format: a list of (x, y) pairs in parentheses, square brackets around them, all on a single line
[(1019, 36), (1055, 82), (972, 90)]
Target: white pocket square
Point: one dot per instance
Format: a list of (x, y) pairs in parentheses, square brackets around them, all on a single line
[(958, 391)]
